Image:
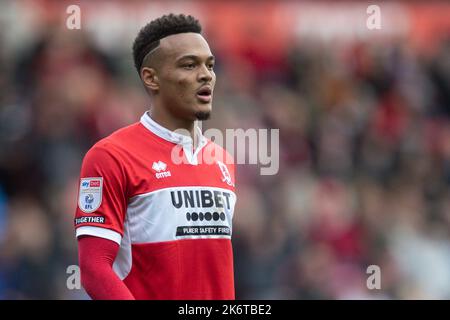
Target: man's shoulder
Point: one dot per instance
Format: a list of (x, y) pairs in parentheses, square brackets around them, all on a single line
[(117, 140)]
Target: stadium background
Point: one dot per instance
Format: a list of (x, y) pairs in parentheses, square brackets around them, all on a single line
[(364, 127)]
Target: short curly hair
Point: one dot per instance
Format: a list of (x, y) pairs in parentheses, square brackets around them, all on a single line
[(149, 36)]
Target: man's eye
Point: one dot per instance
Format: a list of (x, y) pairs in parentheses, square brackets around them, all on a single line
[(189, 66), (211, 66)]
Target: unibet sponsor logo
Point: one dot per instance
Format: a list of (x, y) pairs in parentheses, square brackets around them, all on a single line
[(200, 199), (203, 207)]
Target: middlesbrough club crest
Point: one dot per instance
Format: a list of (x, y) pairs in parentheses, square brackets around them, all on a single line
[(226, 177)]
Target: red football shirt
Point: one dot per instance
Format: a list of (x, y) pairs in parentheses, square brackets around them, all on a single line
[(169, 207)]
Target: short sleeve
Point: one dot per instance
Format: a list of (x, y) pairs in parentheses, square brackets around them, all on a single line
[(101, 203)]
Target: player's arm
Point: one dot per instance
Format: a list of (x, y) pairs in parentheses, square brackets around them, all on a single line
[(96, 257), (99, 222)]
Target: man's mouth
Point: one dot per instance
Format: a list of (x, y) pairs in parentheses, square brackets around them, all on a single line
[(204, 94)]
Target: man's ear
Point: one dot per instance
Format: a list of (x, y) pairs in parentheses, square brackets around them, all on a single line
[(149, 77)]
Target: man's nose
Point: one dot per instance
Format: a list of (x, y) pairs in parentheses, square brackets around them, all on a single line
[(205, 75)]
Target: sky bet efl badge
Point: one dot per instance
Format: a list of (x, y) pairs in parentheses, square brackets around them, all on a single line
[(90, 196)]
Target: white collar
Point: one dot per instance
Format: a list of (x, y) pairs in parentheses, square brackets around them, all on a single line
[(174, 137)]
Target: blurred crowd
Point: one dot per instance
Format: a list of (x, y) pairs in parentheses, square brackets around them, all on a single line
[(364, 163)]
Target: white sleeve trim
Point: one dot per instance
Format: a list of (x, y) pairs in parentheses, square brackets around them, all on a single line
[(99, 232)]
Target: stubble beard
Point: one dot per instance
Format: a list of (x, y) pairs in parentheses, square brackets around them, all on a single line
[(203, 115)]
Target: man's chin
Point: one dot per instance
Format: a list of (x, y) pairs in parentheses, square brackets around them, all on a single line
[(202, 115)]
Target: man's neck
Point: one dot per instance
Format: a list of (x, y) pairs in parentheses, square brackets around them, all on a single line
[(167, 121)]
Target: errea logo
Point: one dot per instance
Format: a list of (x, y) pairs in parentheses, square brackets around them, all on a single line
[(160, 168)]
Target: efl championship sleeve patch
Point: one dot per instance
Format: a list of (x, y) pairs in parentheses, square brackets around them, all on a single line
[(90, 196)]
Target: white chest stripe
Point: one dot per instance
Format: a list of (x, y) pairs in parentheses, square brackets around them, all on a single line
[(181, 213)]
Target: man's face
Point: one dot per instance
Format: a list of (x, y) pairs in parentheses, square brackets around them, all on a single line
[(186, 76)]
